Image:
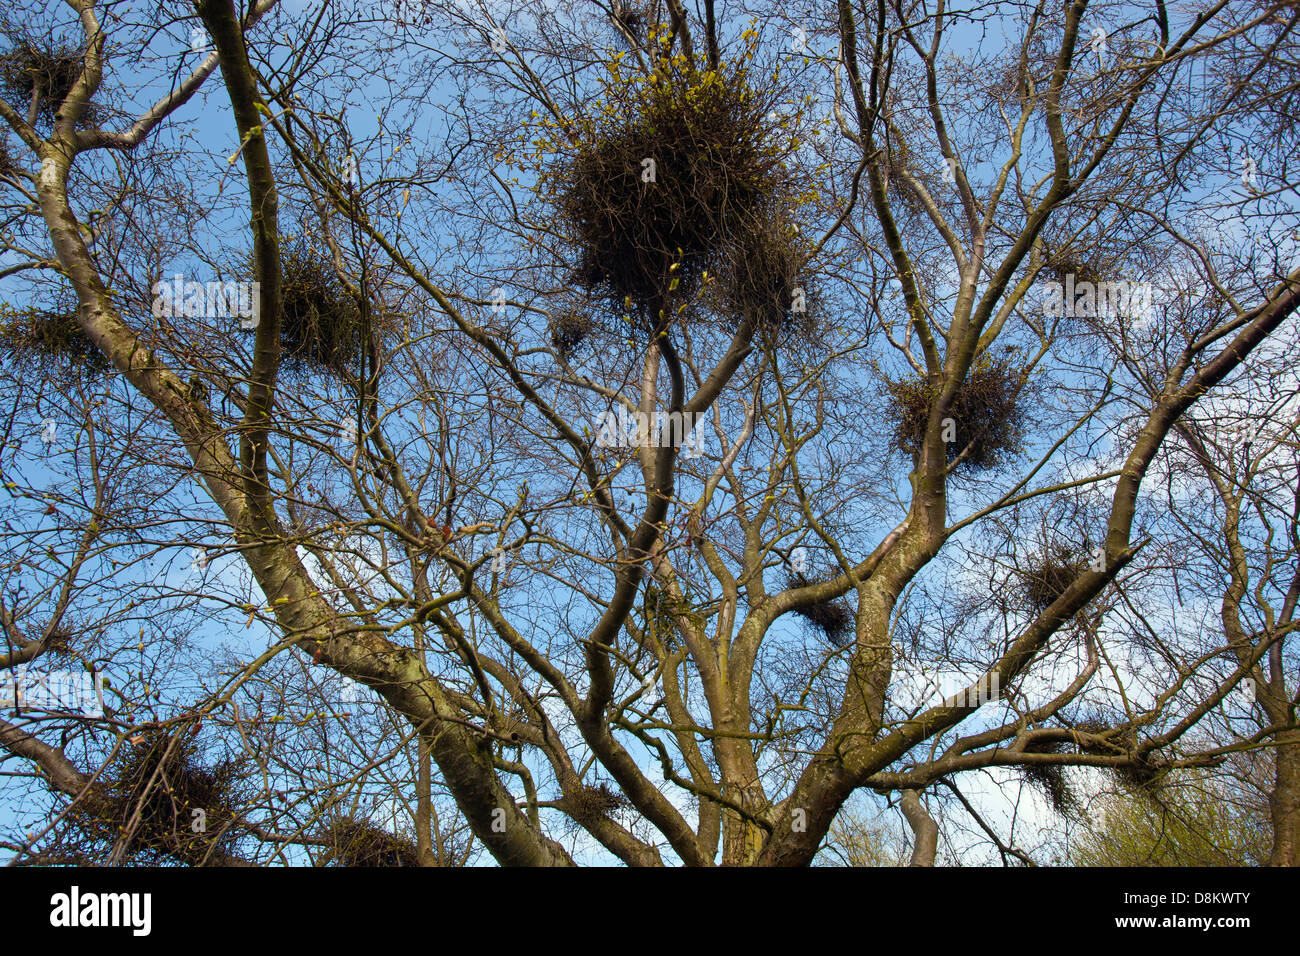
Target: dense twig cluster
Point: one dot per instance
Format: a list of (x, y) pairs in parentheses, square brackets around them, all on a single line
[(986, 414), (30, 68), (148, 796), (569, 329), (660, 613), (51, 339), (8, 165), (1052, 573), (762, 280), (589, 804), (1049, 778), (1140, 779), (632, 19), (355, 842), (674, 177), (59, 641), (321, 323), (832, 616), (1068, 261)]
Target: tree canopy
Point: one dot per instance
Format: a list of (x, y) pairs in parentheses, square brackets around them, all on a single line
[(728, 433)]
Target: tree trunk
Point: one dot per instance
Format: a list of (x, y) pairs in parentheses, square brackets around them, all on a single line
[(1284, 802)]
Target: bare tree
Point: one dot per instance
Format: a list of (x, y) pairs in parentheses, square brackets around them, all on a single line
[(646, 412)]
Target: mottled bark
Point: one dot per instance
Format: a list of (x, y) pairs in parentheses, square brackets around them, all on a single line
[(924, 829)]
